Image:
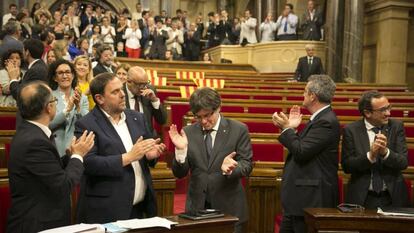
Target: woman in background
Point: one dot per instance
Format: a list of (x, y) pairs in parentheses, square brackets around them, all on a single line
[(11, 62), (84, 74), (71, 104), (122, 72)]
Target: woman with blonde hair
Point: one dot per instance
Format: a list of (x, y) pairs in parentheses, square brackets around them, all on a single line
[(83, 69), (60, 47)]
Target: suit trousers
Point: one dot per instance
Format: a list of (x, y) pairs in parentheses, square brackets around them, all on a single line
[(375, 200), (292, 224)]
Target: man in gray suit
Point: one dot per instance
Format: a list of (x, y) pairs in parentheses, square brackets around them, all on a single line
[(311, 22), (218, 153)]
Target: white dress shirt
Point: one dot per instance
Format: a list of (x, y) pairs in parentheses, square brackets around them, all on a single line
[(181, 155), (131, 100), (122, 129), (292, 21)]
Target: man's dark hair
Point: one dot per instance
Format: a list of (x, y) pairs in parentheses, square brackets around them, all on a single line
[(290, 5), (205, 98), (52, 73), (12, 5), (210, 14), (144, 13), (365, 102), (178, 11), (7, 55), (35, 48), (102, 49), (98, 84), (32, 106), (20, 16)]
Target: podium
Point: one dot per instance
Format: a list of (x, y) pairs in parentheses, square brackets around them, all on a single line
[(364, 221), (216, 225)]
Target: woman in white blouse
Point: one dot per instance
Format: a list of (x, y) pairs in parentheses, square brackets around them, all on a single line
[(108, 32), (132, 36)]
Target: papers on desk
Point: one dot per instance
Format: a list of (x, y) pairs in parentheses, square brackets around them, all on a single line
[(78, 228), (402, 212), (124, 225)]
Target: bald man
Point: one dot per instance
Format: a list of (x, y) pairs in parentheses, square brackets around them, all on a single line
[(141, 96)]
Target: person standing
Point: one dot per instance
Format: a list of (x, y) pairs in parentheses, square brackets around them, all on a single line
[(217, 153), (117, 183), (312, 22), (286, 24), (40, 185), (310, 175), (374, 152), (308, 65), (248, 28)]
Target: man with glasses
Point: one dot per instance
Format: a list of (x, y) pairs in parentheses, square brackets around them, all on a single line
[(374, 152), (217, 154), (39, 183), (141, 96), (310, 178)]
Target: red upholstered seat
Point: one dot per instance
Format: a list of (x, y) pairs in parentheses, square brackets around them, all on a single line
[(267, 152), (346, 112), (262, 127), (267, 97), (409, 131), (164, 95), (233, 96), (264, 110), (410, 190), (227, 108), (5, 202), (7, 122)]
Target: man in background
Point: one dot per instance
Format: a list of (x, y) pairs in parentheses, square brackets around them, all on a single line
[(308, 65)]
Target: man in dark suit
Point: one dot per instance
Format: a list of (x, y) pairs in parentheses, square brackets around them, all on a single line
[(374, 152), (117, 182), (12, 39), (87, 18), (40, 186), (312, 22), (105, 57), (308, 65), (37, 70), (158, 36), (310, 174), (192, 46), (142, 97), (217, 154)]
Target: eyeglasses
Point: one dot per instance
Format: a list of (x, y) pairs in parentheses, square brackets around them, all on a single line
[(62, 73), (383, 109), (138, 84), (206, 116)]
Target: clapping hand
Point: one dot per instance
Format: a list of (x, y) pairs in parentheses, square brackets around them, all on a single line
[(229, 164), (179, 139), (284, 122)]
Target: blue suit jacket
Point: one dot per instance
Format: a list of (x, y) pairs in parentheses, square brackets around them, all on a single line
[(62, 126), (107, 188)]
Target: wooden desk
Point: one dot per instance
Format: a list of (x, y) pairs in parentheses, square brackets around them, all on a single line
[(368, 221), (214, 225)]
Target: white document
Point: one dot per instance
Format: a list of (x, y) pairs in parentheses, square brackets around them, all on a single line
[(78, 228), (396, 213), (145, 223)]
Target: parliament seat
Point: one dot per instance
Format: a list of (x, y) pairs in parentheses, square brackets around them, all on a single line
[(5, 199)]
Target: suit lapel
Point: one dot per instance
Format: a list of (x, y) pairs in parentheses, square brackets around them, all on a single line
[(363, 136), (126, 96), (220, 140), (108, 128)]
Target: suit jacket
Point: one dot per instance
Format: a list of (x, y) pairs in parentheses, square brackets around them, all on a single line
[(355, 145), (107, 188), (248, 30), (226, 192), (158, 47), (100, 68), (312, 28), (192, 46), (38, 71), (40, 187), (303, 71), (9, 43), (63, 126), (310, 178), (160, 114)]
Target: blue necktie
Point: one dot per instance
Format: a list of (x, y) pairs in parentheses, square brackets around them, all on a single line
[(377, 183), (285, 27)]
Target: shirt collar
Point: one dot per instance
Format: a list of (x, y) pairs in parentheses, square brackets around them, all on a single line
[(111, 119), (33, 62), (317, 112), (368, 125), (43, 127)]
